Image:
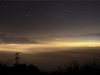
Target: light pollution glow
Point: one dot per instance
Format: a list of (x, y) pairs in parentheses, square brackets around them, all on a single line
[(35, 48)]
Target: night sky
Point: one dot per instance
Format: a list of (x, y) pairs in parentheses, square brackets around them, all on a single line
[(47, 20), (49, 32), (50, 20)]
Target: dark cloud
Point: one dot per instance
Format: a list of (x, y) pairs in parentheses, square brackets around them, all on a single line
[(81, 35), (16, 40), (91, 34), (64, 36)]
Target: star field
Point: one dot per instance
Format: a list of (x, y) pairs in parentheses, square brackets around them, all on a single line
[(49, 18)]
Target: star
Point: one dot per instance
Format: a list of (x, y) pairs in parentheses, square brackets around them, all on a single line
[(51, 9), (82, 19), (57, 3), (2, 4), (19, 11), (27, 15), (82, 8), (17, 6), (92, 19), (66, 14)]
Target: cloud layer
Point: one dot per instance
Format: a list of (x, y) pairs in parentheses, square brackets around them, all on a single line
[(91, 34), (15, 40), (82, 35)]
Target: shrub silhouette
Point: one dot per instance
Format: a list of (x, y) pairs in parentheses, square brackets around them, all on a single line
[(91, 68), (19, 69), (72, 69), (33, 69)]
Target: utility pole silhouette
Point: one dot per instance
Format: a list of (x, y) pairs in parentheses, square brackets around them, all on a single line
[(17, 58)]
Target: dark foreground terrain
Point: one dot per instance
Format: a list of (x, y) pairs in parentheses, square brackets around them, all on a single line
[(74, 68)]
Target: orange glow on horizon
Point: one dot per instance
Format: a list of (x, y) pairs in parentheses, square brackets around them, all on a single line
[(78, 44), (47, 47)]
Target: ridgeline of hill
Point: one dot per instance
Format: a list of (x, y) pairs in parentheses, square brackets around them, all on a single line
[(73, 68)]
